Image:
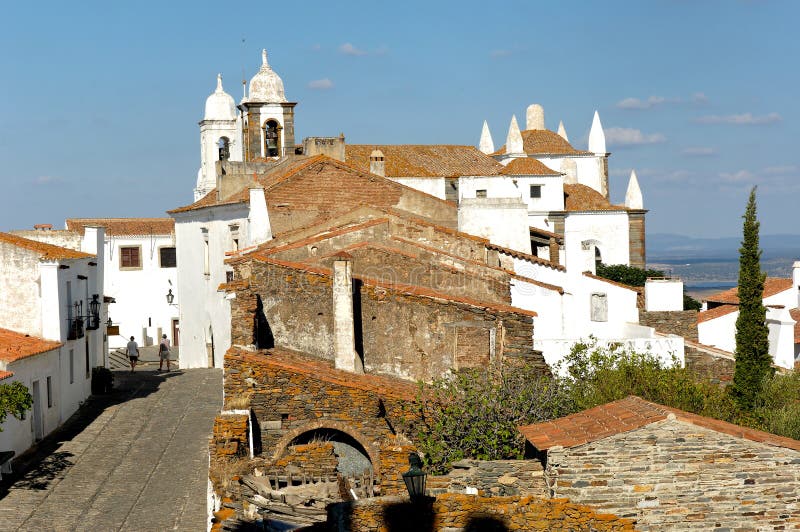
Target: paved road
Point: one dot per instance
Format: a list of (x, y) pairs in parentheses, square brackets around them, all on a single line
[(136, 461)]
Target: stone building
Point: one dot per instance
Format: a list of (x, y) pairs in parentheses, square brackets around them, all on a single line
[(670, 469)]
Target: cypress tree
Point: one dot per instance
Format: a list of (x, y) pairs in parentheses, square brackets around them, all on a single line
[(753, 361)]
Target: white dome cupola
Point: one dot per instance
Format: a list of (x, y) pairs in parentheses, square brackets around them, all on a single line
[(220, 105), (266, 86)]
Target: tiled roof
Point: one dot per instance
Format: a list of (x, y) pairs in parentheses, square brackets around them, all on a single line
[(544, 142), (125, 226), (323, 370), (6, 375), (772, 286), (629, 414), (46, 251), (525, 256), (527, 166), (542, 232), (609, 281), (579, 197), (716, 312), (434, 160), (795, 314), (14, 345)]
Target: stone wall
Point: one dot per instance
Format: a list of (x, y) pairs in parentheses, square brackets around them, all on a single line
[(292, 396), (318, 458), (709, 363), (229, 438), (455, 512), (493, 478), (672, 475), (683, 323), (412, 333)]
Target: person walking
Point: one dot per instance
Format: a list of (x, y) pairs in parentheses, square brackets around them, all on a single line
[(133, 353), (163, 352)]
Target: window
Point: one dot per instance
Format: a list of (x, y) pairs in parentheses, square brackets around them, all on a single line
[(130, 257), (88, 365), (223, 146), (168, 258), (206, 258), (49, 392), (536, 191), (234, 229), (481, 193), (71, 366), (272, 139)]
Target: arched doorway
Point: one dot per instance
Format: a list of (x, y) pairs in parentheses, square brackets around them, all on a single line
[(224, 148), (354, 452)]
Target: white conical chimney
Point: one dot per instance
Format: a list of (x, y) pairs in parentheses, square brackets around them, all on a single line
[(534, 117), (514, 138), (562, 132), (633, 197), (486, 145), (597, 139)]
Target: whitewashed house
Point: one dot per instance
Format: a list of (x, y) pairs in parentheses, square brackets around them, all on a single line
[(53, 328), (716, 323), (141, 276)]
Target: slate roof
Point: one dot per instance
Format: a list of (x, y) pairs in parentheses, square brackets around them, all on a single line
[(629, 414), (324, 370), (431, 160), (527, 166), (46, 251), (124, 226), (544, 142), (772, 286), (14, 345)]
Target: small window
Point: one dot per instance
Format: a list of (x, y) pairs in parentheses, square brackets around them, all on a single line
[(71, 366), (168, 257), (88, 364), (536, 191), (49, 392), (481, 193), (130, 257), (228, 277)]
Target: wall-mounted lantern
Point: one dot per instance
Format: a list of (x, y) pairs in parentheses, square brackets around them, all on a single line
[(415, 477)]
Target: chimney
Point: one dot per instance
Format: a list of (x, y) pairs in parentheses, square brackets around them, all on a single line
[(43, 227), (377, 165), (553, 247), (534, 117), (259, 228), (514, 142), (344, 345), (486, 144)]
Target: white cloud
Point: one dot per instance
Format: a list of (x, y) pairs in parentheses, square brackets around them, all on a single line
[(623, 136), (744, 119), (497, 54), (780, 170), (699, 151), (349, 49), (321, 84), (636, 103), (737, 177), (699, 98), (47, 180)]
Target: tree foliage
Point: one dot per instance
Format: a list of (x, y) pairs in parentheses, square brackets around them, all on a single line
[(753, 361), (15, 399)]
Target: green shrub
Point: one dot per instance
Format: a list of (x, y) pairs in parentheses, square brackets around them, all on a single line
[(15, 399)]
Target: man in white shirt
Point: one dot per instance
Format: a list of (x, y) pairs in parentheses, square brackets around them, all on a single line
[(133, 353)]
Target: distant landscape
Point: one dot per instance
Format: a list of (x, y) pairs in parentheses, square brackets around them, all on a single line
[(709, 265)]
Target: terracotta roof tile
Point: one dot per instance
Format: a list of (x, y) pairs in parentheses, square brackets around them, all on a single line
[(547, 234), (14, 345), (795, 314), (544, 142), (433, 160), (578, 198), (46, 251), (629, 414), (716, 312), (6, 375), (527, 166), (526, 256), (323, 370), (772, 286), (125, 226)]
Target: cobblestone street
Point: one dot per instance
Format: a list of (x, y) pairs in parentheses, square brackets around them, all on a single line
[(136, 460)]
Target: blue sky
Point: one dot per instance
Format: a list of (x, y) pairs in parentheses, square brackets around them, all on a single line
[(100, 100)]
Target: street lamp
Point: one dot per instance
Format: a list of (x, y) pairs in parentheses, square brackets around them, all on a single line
[(415, 477), (170, 297)]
